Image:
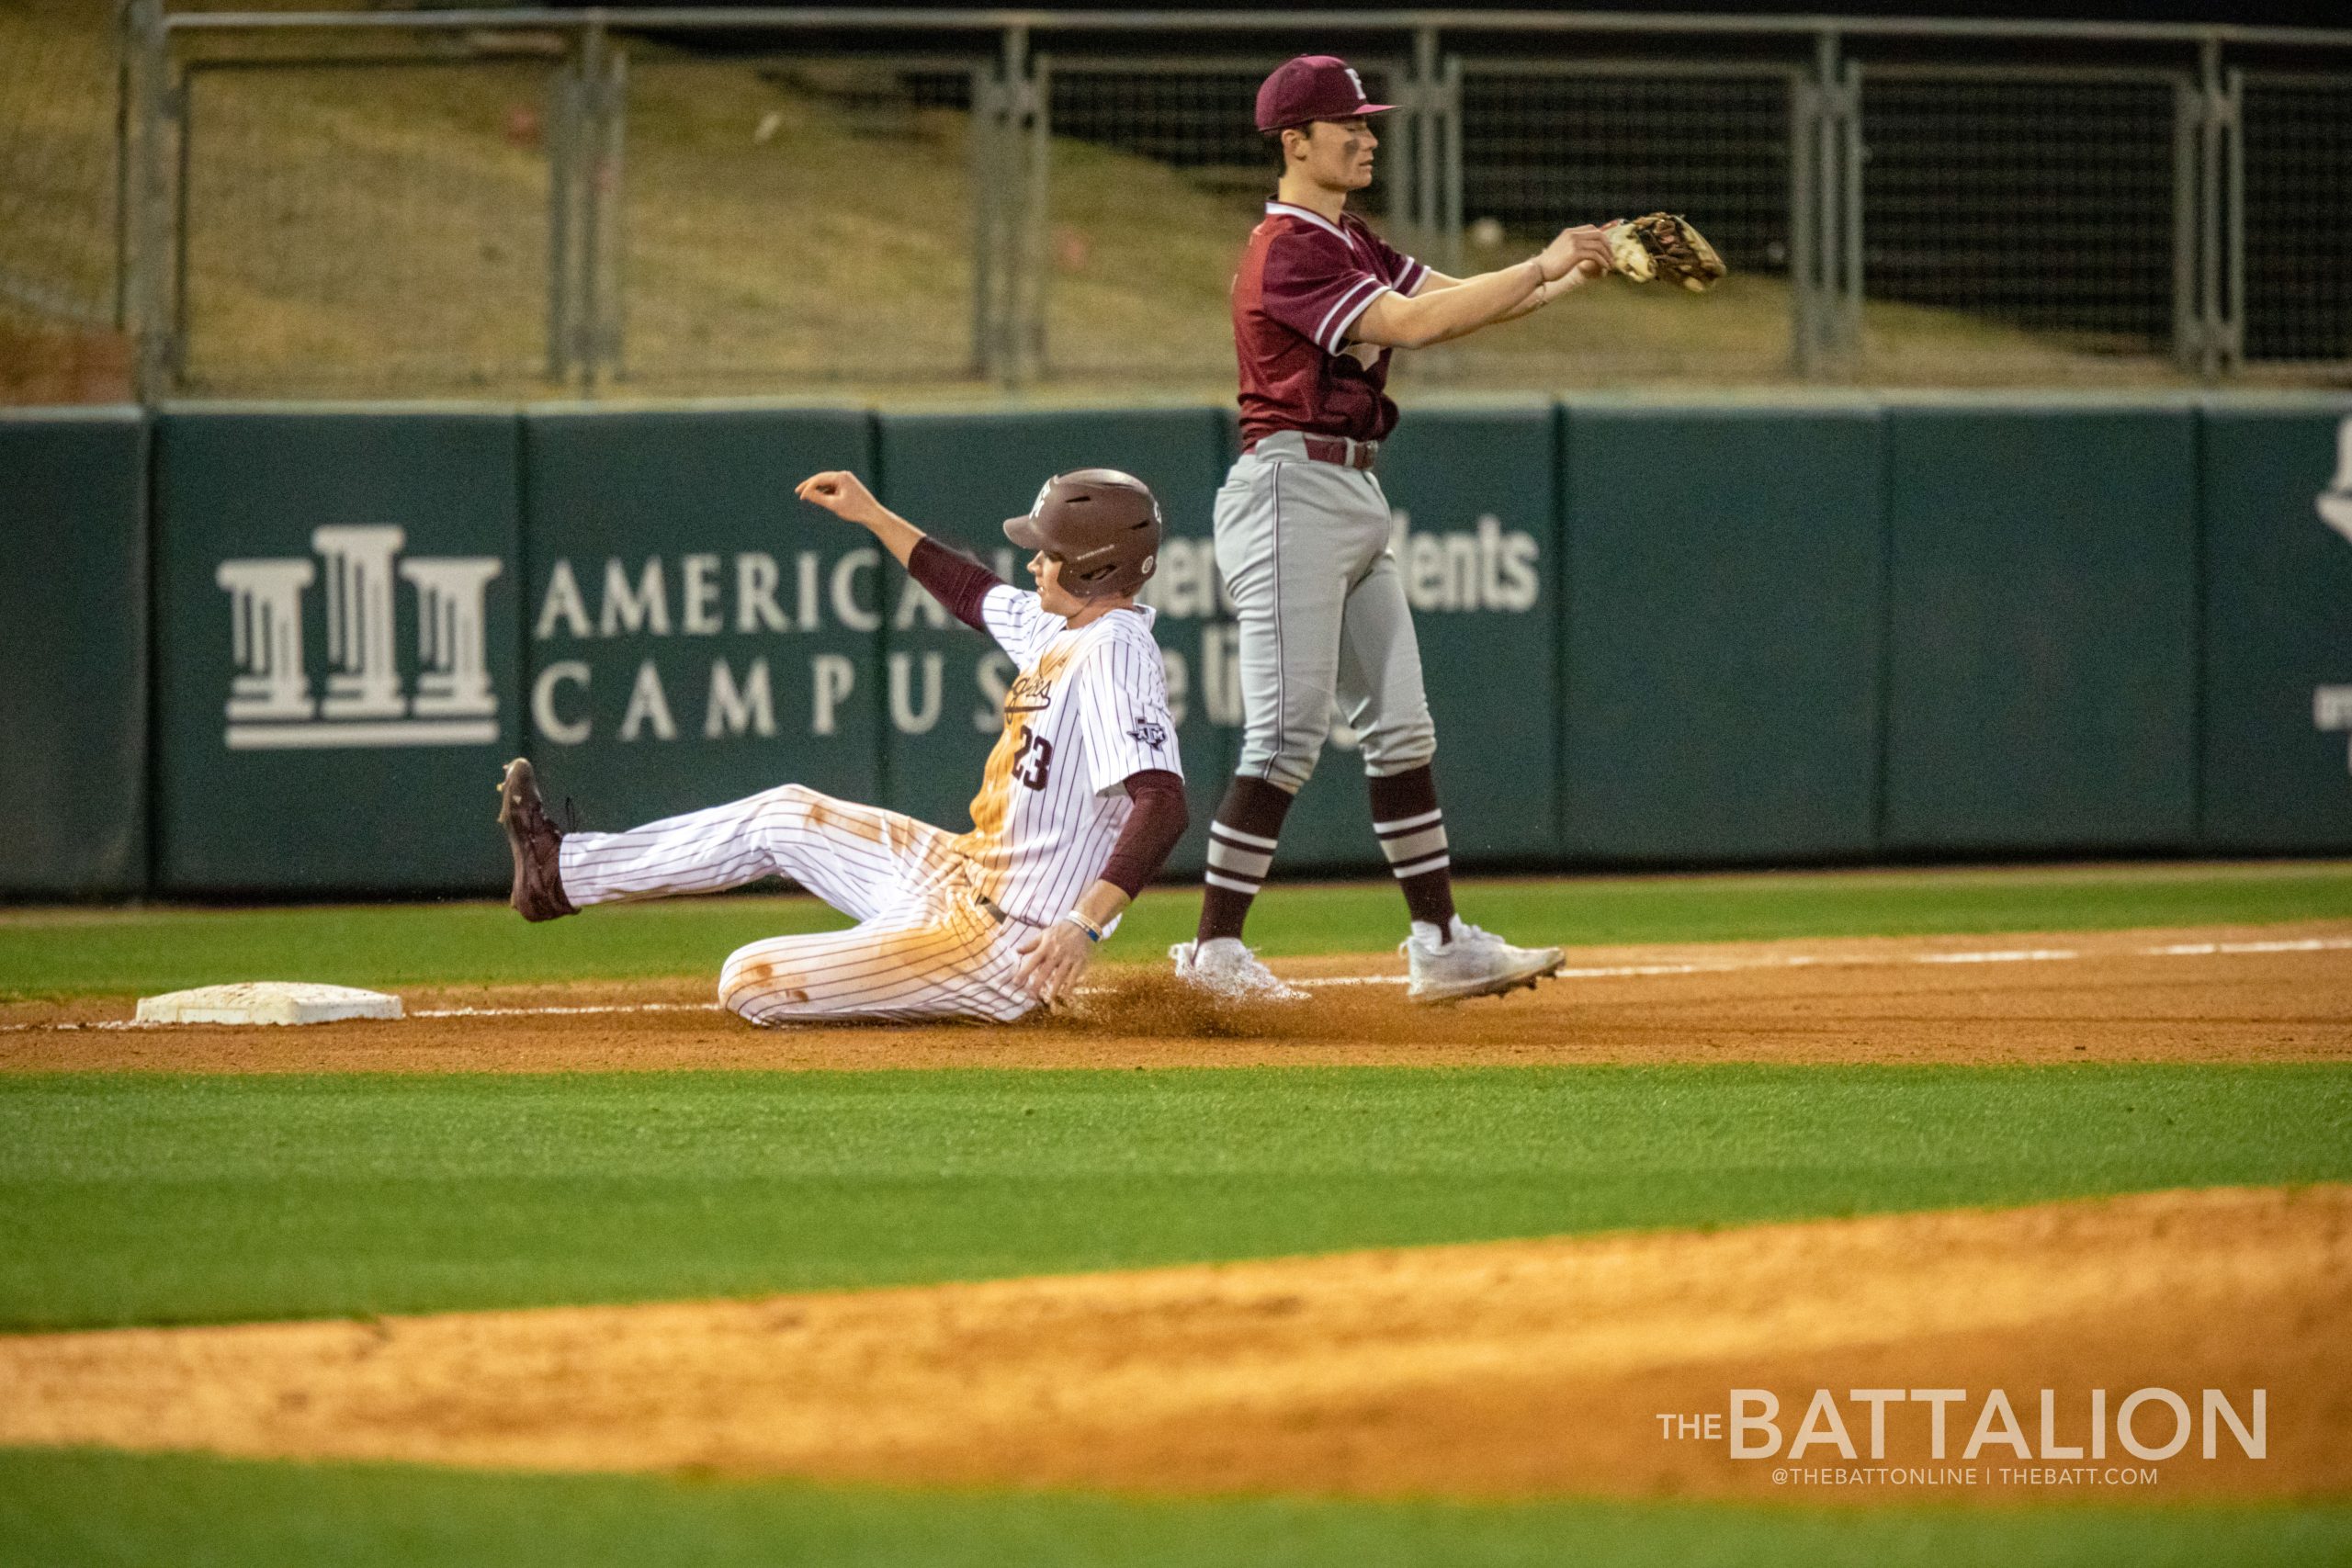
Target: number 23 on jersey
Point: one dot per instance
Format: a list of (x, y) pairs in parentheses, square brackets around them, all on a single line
[(1032, 760)]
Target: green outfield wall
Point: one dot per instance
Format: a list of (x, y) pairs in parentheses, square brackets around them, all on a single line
[(257, 651), (338, 652), (2275, 504), (2041, 630), (1722, 644), (73, 645)]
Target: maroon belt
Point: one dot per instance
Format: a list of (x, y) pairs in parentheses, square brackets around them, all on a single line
[(1337, 450), (1345, 453)]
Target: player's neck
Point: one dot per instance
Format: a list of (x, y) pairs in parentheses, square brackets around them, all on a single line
[(1095, 609), (1298, 190)]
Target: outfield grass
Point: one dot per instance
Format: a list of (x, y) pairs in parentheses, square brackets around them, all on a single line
[(198, 1513), (99, 952), (148, 1198)]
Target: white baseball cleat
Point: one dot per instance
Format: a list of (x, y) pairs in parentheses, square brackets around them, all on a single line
[(1474, 964), (1223, 967)]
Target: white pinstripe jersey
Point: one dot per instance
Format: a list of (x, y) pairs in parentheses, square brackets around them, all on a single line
[(1088, 707)]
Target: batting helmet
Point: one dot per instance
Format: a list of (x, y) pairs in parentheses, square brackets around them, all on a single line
[(1102, 525)]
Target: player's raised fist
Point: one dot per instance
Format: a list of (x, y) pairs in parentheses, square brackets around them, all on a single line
[(842, 493)]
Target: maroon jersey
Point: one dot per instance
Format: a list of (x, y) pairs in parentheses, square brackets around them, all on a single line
[(1303, 282)]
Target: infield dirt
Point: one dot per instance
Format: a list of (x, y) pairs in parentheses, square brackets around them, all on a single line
[(1513, 1368), (2272, 993)]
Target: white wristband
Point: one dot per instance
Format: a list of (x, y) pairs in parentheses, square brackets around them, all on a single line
[(1093, 932)]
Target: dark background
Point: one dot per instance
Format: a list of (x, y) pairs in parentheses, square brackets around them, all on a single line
[(2269, 13)]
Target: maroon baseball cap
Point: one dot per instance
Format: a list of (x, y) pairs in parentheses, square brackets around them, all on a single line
[(1313, 86)]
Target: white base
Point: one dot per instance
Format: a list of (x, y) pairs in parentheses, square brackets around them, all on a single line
[(267, 1001)]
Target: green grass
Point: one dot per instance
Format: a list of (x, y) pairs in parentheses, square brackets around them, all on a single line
[(91, 951), (73, 1507), (146, 1199), (129, 1200)]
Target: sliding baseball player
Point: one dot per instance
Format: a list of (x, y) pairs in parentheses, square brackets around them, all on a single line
[(1082, 798)]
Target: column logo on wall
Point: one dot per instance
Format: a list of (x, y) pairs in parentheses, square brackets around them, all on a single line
[(274, 704)]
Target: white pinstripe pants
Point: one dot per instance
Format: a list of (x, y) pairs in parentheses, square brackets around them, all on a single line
[(924, 947), (1324, 626)]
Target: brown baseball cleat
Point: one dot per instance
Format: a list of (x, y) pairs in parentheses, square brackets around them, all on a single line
[(535, 841)]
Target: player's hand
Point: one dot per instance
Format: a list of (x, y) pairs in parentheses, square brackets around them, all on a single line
[(1578, 276), (842, 493), (1051, 961), (1581, 250)]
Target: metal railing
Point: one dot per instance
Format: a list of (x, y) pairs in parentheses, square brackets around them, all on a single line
[(724, 200)]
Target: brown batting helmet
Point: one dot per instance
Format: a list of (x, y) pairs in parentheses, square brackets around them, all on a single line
[(1102, 525)]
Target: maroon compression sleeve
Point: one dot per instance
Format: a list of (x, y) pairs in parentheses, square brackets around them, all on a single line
[(1159, 819), (957, 582)]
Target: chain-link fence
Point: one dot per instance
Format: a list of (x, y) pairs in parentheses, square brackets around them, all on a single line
[(344, 226), (755, 242), (62, 151), (2032, 214), (2295, 235), (416, 203), (1548, 143), (1155, 179)]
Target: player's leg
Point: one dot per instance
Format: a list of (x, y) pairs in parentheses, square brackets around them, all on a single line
[(1287, 570), (1383, 697), (937, 956), (924, 947), (859, 858)]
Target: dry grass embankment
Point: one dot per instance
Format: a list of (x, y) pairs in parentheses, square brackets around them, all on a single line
[(385, 230)]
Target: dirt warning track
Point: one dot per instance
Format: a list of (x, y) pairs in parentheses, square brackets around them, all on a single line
[(2235, 994), (1513, 1369)]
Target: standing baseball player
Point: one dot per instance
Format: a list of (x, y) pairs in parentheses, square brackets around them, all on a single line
[(1082, 797), (1319, 301)]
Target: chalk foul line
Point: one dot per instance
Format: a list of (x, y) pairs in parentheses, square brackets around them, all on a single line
[(1605, 972)]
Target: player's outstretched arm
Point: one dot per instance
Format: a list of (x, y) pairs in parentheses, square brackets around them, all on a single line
[(1577, 276), (1527, 306), (845, 495), (1460, 307), (959, 583)]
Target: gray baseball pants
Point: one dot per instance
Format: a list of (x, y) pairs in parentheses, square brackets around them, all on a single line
[(1324, 626)]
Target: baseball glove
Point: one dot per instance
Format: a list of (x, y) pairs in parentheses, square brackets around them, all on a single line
[(1663, 244)]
